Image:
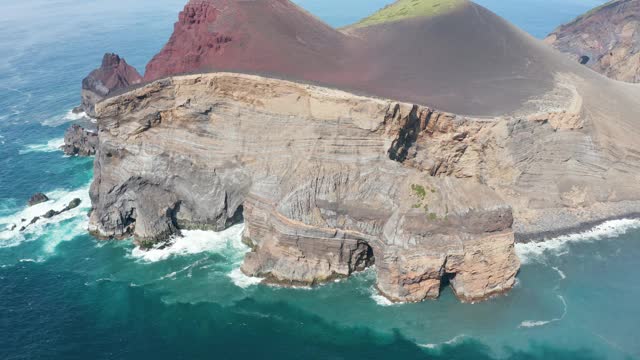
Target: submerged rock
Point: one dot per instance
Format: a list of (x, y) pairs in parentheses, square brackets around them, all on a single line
[(50, 214), (37, 199), (114, 74), (72, 205), (79, 141)]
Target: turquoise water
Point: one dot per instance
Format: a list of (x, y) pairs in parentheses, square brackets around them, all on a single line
[(64, 295)]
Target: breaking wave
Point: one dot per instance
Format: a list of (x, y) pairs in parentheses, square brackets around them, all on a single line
[(558, 246), (537, 323), (65, 118), (194, 242), (452, 341), (243, 281), (50, 146), (59, 228)]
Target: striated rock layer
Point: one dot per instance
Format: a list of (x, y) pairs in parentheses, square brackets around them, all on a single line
[(330, 182), (606, 39), (311, 169), (113, 74)]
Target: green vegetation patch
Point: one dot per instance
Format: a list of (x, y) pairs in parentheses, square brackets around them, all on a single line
[(404, 9), (419, 191)]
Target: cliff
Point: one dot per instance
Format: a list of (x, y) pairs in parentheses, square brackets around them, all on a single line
[(331, 181), (113, 74), (605, 39), (320, 196)]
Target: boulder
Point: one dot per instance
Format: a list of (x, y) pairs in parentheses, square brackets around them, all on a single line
[(37, 199)]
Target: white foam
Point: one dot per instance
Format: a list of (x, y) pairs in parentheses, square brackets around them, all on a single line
[(242, 280), (58, 200), (537, 323), (194, 242), (448, 342), (65, 118), (380, 299), (560, 273), (557, 246), (50, 146)]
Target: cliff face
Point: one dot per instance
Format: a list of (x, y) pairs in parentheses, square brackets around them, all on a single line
[(321, 196), (113, 74), (606, 40), (330, 182)]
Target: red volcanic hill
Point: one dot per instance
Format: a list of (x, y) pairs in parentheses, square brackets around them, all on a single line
[(270, 36), (464, 59)]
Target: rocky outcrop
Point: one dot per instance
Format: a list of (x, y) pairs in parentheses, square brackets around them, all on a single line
[(114, 74), (330, 182), (320, 196), (48, 215), (79, 141), (37, 198), (606, 39)]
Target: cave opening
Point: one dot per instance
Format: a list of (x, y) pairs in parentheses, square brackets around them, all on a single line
[(445, 281), (584, 59), (363, 258), (237, 218)]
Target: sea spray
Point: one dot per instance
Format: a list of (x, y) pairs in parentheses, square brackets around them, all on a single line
[(535, 251), (49, 146), (194, 242), (69, 116), (62, 227)]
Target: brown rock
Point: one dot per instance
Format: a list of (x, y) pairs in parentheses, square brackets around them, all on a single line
[(606, 39)]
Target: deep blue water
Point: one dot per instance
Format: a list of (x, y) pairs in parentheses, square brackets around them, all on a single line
[(64, 295)]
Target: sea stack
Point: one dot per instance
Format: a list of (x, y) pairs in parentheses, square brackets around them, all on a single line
[(80, 141), (606, 39), (113, 74), (424, 139)]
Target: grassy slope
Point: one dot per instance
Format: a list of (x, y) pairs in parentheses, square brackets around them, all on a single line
[(403, 9)]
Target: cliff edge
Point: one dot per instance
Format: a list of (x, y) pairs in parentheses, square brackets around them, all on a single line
[(606, 39), (455, 135)]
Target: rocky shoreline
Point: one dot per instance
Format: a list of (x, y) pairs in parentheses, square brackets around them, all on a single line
[(329, 182), (544, 232)]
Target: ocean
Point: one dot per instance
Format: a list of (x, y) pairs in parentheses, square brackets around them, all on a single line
[(64, 295)]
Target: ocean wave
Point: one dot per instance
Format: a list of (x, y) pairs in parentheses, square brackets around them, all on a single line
[(538, 323), (560, 273), (50, 146), (55, 230), (243, 281), (381, 299), (533, 251), (65, 118), (452, 341), (194, 242)]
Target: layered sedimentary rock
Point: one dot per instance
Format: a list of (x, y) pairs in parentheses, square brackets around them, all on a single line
[(113, 74), (330, 182), (80, 141), (606, 39), (311, 169)]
